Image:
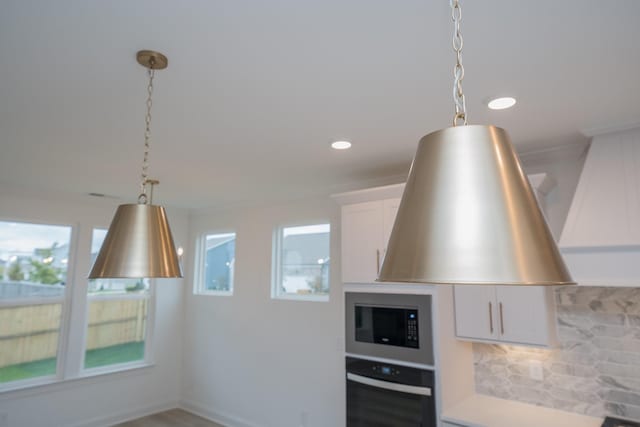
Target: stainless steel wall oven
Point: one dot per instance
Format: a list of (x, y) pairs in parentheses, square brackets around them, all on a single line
[(389, 364), (387, 395)]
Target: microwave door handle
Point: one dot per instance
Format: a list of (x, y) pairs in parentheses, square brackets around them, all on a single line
[(411, 389)]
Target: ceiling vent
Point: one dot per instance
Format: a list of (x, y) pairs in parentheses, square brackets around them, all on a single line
[(600, 241)]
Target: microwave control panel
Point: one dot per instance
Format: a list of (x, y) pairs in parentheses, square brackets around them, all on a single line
[(412, 327)]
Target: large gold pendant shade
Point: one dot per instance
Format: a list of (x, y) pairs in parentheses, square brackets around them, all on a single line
[(468, 215), (138, 244)]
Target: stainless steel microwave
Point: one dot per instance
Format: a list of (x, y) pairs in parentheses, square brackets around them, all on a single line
[(390, 326)]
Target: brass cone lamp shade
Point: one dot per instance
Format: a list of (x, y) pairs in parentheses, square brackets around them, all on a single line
[(138, 244), (468, 215)]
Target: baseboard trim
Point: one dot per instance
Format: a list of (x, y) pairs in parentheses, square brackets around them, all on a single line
[(107, 421), (196, 408), (214, 415)]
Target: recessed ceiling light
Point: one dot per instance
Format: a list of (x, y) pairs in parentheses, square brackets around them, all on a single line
[(502, 103), (341, 145)]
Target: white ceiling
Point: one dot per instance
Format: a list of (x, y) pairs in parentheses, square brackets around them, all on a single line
[(256, 90)]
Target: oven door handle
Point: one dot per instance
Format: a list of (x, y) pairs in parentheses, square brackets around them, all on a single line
[(404, 388)]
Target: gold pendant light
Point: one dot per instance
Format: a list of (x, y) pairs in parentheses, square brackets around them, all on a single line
[(139, 241), (468, 214)]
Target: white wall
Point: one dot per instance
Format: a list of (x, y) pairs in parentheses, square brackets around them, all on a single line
[(254, 361), (100, 400)]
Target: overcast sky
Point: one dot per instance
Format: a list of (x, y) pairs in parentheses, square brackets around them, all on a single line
[(17, 238)]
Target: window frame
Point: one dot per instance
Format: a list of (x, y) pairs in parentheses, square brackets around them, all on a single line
[(71, 349), (65, 302), (276, 267), (148, 338), (148, 358), (199, 264)]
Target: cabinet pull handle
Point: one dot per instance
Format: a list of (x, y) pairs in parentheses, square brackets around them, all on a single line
[(378, 261), (490, 318), (501, 319)]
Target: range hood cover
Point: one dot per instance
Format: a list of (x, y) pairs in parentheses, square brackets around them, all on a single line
[(600, 241)]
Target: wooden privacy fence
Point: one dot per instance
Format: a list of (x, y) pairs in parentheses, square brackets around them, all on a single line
[(31, 332)]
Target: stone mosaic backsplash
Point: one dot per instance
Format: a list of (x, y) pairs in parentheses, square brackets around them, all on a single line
[(596, 368)]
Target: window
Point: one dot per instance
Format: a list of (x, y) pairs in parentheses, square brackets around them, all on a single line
[(34, 260), (217, 258), (302, 262), (41, 310), (117, 317)]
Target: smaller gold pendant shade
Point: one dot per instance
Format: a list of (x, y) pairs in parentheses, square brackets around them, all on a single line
[(138, 244), (468, 215)]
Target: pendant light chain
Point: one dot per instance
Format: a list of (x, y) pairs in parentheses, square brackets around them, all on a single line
[(458, 70), (142, 199)]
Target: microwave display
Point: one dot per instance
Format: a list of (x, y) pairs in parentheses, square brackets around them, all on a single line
[(395, 326)]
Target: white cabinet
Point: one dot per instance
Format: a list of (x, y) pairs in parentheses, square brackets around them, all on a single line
[(389, 212), (506, 314), (366, 228)]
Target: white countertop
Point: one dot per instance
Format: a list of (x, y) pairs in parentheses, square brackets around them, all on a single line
[(485, 411)]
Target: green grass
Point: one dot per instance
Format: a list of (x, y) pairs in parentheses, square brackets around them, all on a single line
[(23, 371), (115, 354), (122, 353)]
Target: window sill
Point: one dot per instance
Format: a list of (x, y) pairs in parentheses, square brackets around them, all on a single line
[(95, 375), (213, 293), (302, 297)]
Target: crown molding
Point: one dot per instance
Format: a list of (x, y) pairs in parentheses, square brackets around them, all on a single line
[(602, 130)]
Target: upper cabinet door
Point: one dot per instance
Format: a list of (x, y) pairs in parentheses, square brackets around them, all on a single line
[(390, 210), (362, 242), (525, 314), (476, 312)]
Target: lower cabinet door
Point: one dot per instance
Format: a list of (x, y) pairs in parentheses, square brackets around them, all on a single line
[(507, 314), (475, 312), (525, 314)]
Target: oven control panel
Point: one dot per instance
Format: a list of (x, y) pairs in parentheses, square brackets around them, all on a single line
[(390, 372), (385, 370)]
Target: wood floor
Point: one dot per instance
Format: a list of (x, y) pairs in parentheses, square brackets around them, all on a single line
[(172, 418)]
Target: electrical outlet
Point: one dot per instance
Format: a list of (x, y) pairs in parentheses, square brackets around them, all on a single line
[(535, 370)]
